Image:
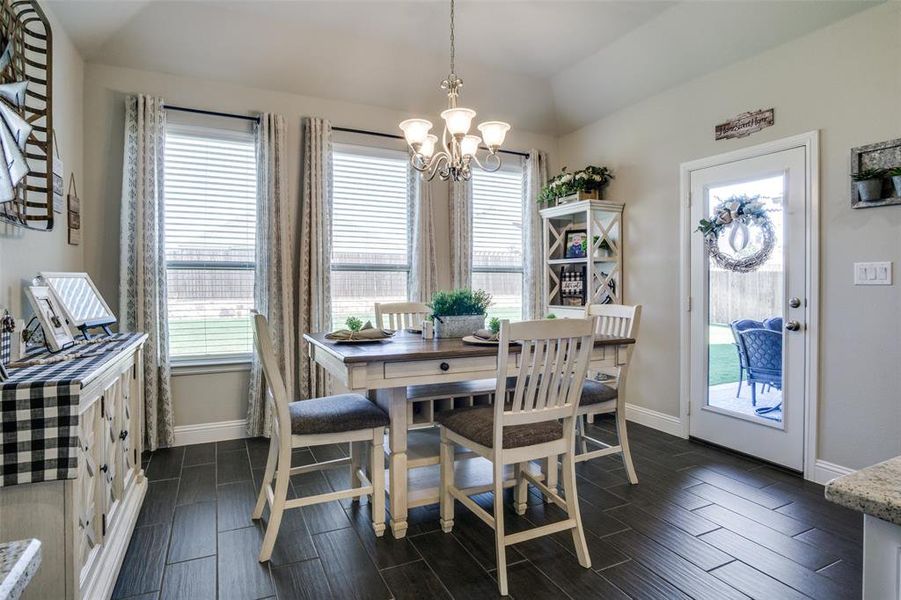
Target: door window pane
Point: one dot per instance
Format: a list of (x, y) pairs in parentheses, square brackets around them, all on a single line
[(745, 312)]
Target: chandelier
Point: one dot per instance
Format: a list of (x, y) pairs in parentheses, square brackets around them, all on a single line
[(458, 148)]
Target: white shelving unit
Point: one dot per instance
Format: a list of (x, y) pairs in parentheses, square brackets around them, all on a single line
[(602, 221)]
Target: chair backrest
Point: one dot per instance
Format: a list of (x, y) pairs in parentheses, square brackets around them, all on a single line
[(615, 319), (737, 327), (550, 373), (774, 323), (274, 384), (400, 315), (764, 348)]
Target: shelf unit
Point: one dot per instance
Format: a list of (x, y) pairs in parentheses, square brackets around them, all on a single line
[(601, 219)]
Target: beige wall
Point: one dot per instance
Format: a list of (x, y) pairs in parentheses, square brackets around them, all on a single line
[(24, 252), (845, 81), (219, 397)]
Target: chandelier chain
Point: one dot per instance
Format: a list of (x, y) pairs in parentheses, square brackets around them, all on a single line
[(452, 48)]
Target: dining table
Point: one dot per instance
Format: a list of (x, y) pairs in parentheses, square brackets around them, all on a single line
[(412, 379)]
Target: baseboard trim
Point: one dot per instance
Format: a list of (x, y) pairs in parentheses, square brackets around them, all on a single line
[(824, 471), (655, 420), (210, 432)]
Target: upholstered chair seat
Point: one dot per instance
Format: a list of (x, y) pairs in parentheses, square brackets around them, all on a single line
[(477, 424), (335, 414), (595, 392)]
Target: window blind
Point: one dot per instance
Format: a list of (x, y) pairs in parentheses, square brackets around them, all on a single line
[(210, 223), (370, 231), (497, 254)]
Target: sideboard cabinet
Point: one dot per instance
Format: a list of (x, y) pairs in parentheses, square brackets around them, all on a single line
[(75, 481)]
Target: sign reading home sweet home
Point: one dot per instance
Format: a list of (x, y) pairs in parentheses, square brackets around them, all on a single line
[(745, 124)]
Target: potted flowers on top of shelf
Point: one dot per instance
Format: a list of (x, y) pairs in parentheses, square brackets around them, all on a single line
[(587, 184), (460, 312)]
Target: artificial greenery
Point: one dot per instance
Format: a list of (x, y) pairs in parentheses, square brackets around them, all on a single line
[(551, 316), (867, 174), (589, 179), (735, 208), (896, 172), (460, 302), (354, 324), (494, 325)]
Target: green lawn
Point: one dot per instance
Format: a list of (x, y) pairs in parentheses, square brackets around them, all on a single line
[(723, 364)]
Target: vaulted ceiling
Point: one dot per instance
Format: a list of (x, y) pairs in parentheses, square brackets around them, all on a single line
[(548, 66)]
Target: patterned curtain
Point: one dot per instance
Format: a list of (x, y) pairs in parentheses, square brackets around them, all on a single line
[(423, 269), (314, 287), (461, 233), (142, 271), (274, 280), (534, 175)]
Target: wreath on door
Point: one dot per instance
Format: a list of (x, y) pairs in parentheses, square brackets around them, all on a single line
[(738, 217)]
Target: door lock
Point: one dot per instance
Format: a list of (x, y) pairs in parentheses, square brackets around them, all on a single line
[(794, 302), (792, 326)]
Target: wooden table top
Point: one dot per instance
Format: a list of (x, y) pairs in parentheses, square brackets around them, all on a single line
[(410, 346)]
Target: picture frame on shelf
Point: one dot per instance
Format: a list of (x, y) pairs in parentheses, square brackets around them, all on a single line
[(80, 301), (57, 334), (575, 243)]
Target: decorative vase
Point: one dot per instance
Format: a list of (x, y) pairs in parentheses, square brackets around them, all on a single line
[(869, 190), (458, 326), (896, 181)]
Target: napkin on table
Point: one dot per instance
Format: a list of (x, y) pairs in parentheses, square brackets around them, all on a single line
[(487, 335), (368, 332)]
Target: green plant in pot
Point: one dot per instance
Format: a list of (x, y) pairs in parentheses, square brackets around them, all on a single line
[(460, 312), (895, 174), (869, 184), (587, 183)]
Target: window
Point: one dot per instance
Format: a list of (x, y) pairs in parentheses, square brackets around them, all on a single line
[(497, 254), (370, 232), (210, 218)]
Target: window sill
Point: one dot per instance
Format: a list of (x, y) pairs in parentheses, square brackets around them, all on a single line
[(208, 366)]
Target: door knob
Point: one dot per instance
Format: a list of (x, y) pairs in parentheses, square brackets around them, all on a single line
[(792, 326), (794, 302)]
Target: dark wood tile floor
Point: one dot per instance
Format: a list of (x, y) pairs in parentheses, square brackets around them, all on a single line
[(702, 524)]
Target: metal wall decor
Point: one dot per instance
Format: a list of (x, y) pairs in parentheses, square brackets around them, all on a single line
[(735, 216), (885, 158), (26, 185)]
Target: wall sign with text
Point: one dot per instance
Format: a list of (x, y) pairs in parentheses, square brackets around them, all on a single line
[(745, 124)]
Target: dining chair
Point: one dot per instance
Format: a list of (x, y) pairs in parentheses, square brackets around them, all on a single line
[(536, 422), (345, 418), (600, 398), (400, 315)]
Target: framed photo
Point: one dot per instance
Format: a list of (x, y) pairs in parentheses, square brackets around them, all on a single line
[(56, 331), (80, 301), (576, 244)]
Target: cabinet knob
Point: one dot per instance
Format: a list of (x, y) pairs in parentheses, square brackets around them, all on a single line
[(123, 434), (104, 468), (444, 366)]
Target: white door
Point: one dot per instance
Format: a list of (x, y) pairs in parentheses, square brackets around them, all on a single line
[(748, 328)]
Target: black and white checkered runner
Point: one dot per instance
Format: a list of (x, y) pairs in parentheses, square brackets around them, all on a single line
[(39, 412)]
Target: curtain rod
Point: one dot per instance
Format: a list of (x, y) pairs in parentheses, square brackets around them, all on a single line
[(400, 137), (214, 113)]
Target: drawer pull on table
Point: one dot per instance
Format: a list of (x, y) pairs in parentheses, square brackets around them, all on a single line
[(444, 366)]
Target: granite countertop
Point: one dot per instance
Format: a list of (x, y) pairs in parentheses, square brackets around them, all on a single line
[(18, 563), (875, 490)]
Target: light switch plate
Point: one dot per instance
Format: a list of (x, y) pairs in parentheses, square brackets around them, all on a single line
[(873, 273)]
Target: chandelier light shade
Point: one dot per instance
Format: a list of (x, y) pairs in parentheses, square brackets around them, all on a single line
[(452, 157)]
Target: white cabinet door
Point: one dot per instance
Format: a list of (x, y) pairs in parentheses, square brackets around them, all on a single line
[(87, 494)]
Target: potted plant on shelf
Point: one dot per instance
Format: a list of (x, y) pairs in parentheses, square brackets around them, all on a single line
[(459, 312), (869, 184), (587, 184), (896, 180)]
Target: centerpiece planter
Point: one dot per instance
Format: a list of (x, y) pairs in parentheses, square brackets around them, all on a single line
[(459, 313), (458, 326)]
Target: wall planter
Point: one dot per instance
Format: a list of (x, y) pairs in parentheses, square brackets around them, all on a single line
[(884, 191)]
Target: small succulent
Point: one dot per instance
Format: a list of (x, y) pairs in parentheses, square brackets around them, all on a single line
[(867, 174), (354, 324), (551, 316), (896, 172), (494, 325)]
